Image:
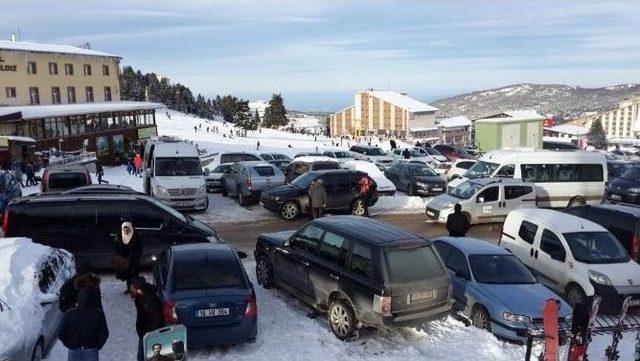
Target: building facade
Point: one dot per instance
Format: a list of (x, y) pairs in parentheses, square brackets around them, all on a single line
[(382, 112), (620, 122), (510, 129), (43, 74)]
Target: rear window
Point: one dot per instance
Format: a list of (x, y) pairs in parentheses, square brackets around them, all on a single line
[(67, 180), (237, 157), (204, 275), (264, 171), (413, 264), (327, 165)]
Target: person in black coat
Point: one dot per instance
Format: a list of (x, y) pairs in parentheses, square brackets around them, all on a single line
[(128, 253), (149, 315), (406, 154), (457, 222), (70, 289), (83, 329)]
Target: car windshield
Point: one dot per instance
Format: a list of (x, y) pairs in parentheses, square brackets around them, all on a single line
[(465, 190), (500, 269), (632, 174), (221, 168), (304, 180), (341, 154), (208, 274), (413, 264), (279, 156), (67, 180), (169, 210), (481, 169), (596, 247), (178, 166), (374, 151), (611, 156), (432, 151), (415, 153), (421, 171), (266, 156), (617, 169)]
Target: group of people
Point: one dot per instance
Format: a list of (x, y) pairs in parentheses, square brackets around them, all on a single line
[(28, 169), (83, 330), (135, 165), (318, 196)]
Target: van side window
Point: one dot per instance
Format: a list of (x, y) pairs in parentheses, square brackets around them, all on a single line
[(562, 173), (146, 217), (307, 240), (489, 195), (506, 171), (513, 192), (110, 217), (551, 245), (361, 261), (85, 216), (333, 249), (527, 231)]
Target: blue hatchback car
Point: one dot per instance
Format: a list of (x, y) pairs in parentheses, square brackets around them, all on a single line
[(9, 189), (494, 290), (205, 287)]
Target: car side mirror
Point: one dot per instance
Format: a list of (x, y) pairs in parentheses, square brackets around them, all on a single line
[(242, 255), (48, 298), (462, 275), (287, 243)]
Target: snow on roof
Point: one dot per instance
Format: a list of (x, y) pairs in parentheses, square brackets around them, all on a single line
[(402, 101), (18, 138), (511, 116), (44, 111), (459, 121), (569, 129), (51, 48), (422, 129), (313, 158)]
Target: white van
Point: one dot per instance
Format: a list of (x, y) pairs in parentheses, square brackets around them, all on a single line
[(562, 178), (173, 174), (573, 256)]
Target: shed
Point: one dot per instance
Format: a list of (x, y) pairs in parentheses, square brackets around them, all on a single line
[(510, 129)]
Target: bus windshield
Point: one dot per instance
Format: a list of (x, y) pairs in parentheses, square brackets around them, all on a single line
[(481, 169)]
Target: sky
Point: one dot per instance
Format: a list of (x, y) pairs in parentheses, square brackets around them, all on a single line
[(318, 53)]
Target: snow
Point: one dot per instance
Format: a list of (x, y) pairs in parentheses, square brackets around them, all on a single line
[(402, 101), (58, 110), (51, 48), (569, 129), (459, 121)]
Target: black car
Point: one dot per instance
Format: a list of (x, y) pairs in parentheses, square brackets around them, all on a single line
[(416, 179), (622, 221), (362, 272), (626, 188), (86, 224), (292, 200), (238, 157), (616, 168), (299, 167)]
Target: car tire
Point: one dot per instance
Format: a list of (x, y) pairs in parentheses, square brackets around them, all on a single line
[(411, 191), (264, 272), (241, 199), (358, 208), (342, 320), (224, 190), (574, 294), (480, 318), (576, 201), (38, 352), (289, 211)]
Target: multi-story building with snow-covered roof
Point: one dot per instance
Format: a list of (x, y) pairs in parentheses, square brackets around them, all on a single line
[(383, 112), (622, 121)]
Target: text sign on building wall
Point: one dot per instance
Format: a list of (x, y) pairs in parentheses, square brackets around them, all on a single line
[(5, 67)]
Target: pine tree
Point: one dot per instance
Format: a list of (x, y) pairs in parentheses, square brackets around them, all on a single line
[(275, 115), (243, 118), (597, 136)]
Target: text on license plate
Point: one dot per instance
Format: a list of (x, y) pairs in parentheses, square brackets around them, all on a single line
[(212, 312), (431, 214), (420, 296), (436, 189), (182, 204), (616, 197)]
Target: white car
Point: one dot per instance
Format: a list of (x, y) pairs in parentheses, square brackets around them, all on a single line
[(415, 154), (31, 276), (459, 167), (434, 154), (384, 185), (342, 156), (213, 178), (372, 154), (573, 256)]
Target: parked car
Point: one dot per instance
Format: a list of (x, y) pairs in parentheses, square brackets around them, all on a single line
[(281, 164), (434, 153), (573, 256), (59, 179), (307, 154), (616, 168), (416, 179), (247, 180), (360, 271), (494, 290), (452, 152), (342, 156), (86, 224), (233, 157), (385, 186), (292, 200), (304, 164), (205, 288), (213, 179), (102, 189), (626, 188), (622, 221), (274, 156), (414, 154), (558, 145), (32, 276), (459, 167), (372, 154), (474, 152), (9, 189), (483, 200)]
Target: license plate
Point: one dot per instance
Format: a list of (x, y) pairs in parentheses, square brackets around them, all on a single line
[(182, 204), (212, 312), (436, 189), (634, 303), (431, 214), (428, 295), (616, 197)]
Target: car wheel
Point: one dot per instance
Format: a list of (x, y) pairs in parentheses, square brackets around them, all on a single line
[(480, 318), (575, 294), (411, 191), (38, 352), (224, 190), (576, 201), (264, 272), (343, 321), (289, 211), (358, 207), (241, 199)]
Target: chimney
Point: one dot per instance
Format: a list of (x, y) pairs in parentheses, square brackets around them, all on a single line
[(13, 37)]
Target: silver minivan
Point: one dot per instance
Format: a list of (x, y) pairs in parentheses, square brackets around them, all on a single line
[(247, 180), (484, 200)]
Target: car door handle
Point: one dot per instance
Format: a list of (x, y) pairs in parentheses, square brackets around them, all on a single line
[(536, 254), (305, 263), (334, 276), (531, 252)]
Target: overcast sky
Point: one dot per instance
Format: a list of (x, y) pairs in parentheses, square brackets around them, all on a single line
[(318, 53)]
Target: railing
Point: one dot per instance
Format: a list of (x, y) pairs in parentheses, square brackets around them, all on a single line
[(81, 158)]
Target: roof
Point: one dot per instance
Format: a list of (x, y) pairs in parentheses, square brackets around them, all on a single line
[(196, 251), (367, 229), (402, 101), (58, 110), (633, 210), (489, 180), (563, 222), (256, 163), (313, 159), (51, 48), (512, 116), (569, 129), (422, 129), (471, 246), (542, 155), (460, 121), (175, 149)]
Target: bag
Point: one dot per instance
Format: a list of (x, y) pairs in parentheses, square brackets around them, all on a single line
[(121, 265)]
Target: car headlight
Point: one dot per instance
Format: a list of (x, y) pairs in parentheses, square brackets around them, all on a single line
[(599, 278), (421, 185), (202, 189), (633, 190), (213, 239), (275, 198), (513, 318), (161, 191)]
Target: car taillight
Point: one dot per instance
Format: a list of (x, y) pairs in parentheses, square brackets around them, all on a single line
[(5, 221), (382, 304), (252, 306), (635, 247), (248, 183), (169, 312)]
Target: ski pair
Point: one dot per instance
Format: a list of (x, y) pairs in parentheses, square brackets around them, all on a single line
[(581, 328), (611, 352)]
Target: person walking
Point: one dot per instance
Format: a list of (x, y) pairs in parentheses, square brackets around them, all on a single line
[(149, 316), (83, 329), (365, 189), (17, 172), (406, 154), (392, 143), (70, 289), (137, 162), (317, 198), (128, 253), (100, 173), (457, 222), (258, 145)]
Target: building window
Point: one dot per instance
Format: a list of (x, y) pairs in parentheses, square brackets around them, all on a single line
[(55, 95), (68, 69), (53, 68), (87, 69), (71, 95), (34, 96), (107, 94), (105, 70), (89, 94), (31, 67), (11, 92)]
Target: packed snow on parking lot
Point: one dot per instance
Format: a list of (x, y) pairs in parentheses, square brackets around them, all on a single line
[(286, 333)]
